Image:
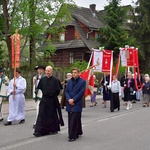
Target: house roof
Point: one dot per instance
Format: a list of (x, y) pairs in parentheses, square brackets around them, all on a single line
[(87, 17), (83, 42), (70, 44)]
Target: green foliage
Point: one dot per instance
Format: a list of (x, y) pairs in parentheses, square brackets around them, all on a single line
[(32, 18), (81, 65), (115, 34), (141, 31), (3, 53)]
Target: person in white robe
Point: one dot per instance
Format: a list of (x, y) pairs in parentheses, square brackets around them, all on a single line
[(16, 92), (3, 90)]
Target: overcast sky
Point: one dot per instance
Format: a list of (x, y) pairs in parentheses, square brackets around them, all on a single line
[(99, 3)]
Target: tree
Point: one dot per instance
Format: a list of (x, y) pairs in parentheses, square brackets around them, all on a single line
[(2, 51), (141, 31), (31, 17), (115, 34)]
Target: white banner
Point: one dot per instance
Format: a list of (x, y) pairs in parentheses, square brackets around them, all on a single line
[(123, 55), (97, 59)]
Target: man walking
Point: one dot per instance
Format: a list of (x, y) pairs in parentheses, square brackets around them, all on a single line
[(16, 92), (3, 90), (50, 115), (74, 94)]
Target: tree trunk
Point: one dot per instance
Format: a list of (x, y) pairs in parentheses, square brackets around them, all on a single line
[(7, 30), (32, 34)]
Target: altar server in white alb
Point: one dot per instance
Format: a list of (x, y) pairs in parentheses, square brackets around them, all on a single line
[(3, 89), (37, 96), (16, 92)]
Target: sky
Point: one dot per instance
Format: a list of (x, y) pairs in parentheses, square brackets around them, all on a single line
[(99, 3)]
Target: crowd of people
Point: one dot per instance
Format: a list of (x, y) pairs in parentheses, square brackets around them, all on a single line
[(46, 89)]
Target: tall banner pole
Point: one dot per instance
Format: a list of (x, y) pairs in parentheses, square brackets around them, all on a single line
[(111, 67), (15, 42), (15, 45), (90, 60)]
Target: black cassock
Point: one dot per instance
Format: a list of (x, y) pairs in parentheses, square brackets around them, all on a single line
[(50, 116)]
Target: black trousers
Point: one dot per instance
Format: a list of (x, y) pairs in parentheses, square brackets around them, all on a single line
[(115, 102), (74, 125)]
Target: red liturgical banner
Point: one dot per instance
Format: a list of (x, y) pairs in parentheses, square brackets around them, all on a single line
[(15, 43)]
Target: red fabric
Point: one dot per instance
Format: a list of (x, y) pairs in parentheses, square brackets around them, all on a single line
[(88, 76), (84, 75), (15, 43), (118, 64), (106, 64), (136, 62), (130, 57)]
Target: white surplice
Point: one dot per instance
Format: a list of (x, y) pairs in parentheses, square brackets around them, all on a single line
[(17, 102)]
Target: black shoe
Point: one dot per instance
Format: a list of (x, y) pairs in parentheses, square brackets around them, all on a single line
[(118, 108), (1, 119), (37, 134), (112, 110), (22, 121), (53, 133), (34, 126), (8, 123), (71, 140)]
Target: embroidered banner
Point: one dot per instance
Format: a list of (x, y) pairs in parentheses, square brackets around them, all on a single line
[(102, 60), (15, 44)]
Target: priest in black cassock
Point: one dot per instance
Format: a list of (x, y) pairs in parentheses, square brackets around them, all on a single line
[(50, 116)]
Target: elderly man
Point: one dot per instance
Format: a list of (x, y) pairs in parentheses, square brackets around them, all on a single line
[(16, 92), (74, 94), (50, 115)]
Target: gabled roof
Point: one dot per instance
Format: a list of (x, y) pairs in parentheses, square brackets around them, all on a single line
[(87, 17), (70, 44), (90, 20), (83, 42)]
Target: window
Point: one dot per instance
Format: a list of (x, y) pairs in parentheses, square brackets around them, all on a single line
[(97, 35), (62, 37), (71, 58)]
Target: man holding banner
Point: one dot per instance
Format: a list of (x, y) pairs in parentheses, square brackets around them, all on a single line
[(16, 99)]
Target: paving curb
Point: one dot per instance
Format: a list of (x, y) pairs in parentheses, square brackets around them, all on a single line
[(30, 104)]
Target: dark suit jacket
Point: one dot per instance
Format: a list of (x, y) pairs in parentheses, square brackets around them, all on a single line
[(75, 90)]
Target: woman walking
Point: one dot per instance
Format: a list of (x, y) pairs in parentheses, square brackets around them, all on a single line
[(93, 96), (106, 91), (115, 92), (146, 91), (129, 90)]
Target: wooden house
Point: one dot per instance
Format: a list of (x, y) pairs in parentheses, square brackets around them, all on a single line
[(75, 43), (78, 38)]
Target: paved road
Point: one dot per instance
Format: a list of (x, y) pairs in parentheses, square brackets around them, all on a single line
[(124, 130)]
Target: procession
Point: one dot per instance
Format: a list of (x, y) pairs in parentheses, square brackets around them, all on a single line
[(130, 88), (74, 75)]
